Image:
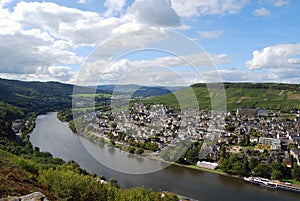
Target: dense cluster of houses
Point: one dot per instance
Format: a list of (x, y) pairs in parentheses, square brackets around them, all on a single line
[(275, 132), (158, 124)]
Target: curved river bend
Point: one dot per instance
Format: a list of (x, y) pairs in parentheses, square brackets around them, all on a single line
[(55, 137)]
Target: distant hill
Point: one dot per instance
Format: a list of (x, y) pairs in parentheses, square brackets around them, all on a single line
[(137, 90), (273, 96), (19, 97), (32, 96)]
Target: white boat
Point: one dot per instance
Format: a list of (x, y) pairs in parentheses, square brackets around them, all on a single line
[(261, 181)]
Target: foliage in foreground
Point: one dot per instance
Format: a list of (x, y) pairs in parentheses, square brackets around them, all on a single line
[(24, 174)]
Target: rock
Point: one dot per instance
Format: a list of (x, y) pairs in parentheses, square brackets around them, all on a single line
[(36, 196)]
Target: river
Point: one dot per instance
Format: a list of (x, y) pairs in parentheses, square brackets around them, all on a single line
[(54, 136)]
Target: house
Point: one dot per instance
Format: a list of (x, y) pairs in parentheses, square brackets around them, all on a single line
[(296, 154), (275, 143)]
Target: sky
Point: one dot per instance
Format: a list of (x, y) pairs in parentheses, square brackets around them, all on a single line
[(150, 42)]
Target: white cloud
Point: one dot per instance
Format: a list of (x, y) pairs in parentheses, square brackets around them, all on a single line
[(5, 2), (287, 75), (261, 12), (76, 26), (114, 7), (42, 34), (278, 3), (194, 8), (24, 52), (278, 56), (139, 39), (210, 34), (82, 1), (154, 13), (153, 71), (83, 27), (51, 73)]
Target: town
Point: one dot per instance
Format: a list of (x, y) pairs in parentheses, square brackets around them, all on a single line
[(242, 142)]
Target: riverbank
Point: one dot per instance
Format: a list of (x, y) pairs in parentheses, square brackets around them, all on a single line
[(195, 167), (102, 140), (201, 185)]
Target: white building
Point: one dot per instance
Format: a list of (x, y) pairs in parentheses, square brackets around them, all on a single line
[(207, 165), (275, 143)]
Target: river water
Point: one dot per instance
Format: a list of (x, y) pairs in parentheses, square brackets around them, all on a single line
[(55, 137)]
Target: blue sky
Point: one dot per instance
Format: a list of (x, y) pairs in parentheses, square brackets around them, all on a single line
[(245, 41)]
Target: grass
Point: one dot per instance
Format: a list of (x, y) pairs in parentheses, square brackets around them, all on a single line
[(292, 181)]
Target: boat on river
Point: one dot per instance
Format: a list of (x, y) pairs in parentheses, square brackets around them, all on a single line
[(261, 181), (272, 184)]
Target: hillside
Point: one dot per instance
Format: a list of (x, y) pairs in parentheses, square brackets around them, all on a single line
[(35, 96), (24, 169), (270, 96)]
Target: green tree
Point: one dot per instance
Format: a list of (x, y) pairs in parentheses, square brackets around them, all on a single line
[(245, 140), (238, 168), (277, 170), (262, 170), (224, 164), (114, 125), (139, 151), (223, 153), (192, 156), (131, 149), (296, 173), (276, 174)]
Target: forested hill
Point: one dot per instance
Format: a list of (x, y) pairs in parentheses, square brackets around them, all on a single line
[(33, 96), (273, 96)]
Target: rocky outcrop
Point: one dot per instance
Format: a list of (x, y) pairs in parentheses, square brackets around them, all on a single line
[(36, 196)]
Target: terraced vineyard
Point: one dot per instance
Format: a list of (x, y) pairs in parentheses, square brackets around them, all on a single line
[(270, 96)]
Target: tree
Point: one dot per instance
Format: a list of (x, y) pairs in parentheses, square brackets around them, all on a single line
[(253, 163), (296, 173), (223, 153), (113, 125), (239, 169), (245, 141), (278, 170), (224, 164), (192, 156), (262, 170), (276, 174), (131, 149), (112, 142), (139, 151), (230, 128), (114, 183)]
